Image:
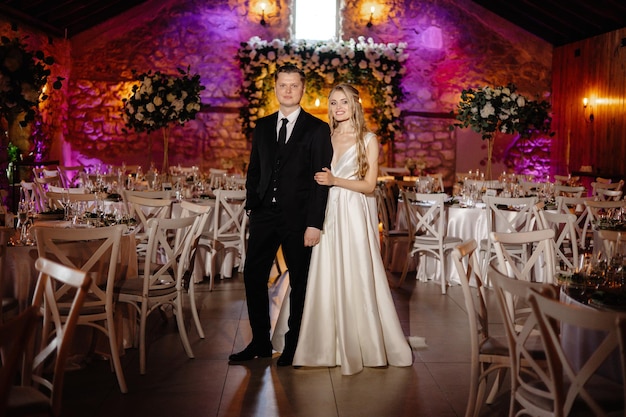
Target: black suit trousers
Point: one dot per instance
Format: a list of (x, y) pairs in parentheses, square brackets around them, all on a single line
[(268, 230)]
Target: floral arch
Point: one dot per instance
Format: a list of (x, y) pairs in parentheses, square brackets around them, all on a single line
[(376, 67)]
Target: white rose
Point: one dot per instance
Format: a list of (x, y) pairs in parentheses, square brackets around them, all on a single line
[(150, 107), (521, 102), (157, 101), (487, 111)]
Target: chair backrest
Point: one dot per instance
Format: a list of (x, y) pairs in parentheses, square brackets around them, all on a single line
[(522, 328), (393, 171), (510, 214), (143, 209), (552, 315), (598, 211), (203, 213), (532, 188), (425, 216), (70, 175), (89, 200), (229, 218), (166, 254), (29, 193), (595, 186), (467, 263), (608, 195), (613, 242), (565, 238), (569, 191), (92, 250), (603, 180), (538, 243), (57, 333), (14, 336), (576, 206), (384, 214)]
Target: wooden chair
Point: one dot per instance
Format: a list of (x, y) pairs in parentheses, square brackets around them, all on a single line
[(426, 221), (70, 175), (578, 389), (569, 191), (530, 387), (577, 207), (536, 260), (393, 171), (160, 282), (390, 235), (599, 210), (615, 186), (608, 195), (230, 224), (489, 355), (41, 392), (99, 257), (143, 209), (565, 238), (203, 213), (506, 215)]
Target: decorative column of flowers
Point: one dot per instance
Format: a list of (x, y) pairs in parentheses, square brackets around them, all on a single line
[(500, 109), (376, 67), (23, 75), (159, 100)]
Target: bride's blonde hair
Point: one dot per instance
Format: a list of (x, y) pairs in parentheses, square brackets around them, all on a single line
[(357, 119)]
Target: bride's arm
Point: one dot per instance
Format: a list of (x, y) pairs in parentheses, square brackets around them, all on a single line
[(366, 185)]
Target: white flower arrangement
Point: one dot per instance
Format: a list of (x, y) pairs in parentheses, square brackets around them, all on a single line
[(160, 99), (375, 66), (490, 110)]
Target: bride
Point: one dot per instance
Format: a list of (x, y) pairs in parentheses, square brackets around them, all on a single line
[(349, 316)]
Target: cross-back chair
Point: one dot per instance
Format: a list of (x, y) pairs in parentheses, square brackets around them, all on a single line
[(426, 222), (95, 251), (535, 262), (204, 213), (41, 390), (489, 354), (578, 388), (160, 281), (507, 215), (565, 238), (530, 386)]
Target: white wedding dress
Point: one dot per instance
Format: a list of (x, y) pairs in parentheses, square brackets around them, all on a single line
[(349, 315)]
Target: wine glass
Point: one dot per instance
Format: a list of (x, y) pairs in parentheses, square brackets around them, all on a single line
[(65, 201)]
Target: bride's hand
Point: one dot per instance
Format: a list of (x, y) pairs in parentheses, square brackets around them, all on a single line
[(325, 177)]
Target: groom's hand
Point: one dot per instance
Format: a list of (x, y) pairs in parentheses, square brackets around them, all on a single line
[(311, 236)]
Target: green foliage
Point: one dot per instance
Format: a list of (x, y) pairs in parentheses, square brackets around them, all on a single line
[(23, 74), (502, 109), (160, 99)]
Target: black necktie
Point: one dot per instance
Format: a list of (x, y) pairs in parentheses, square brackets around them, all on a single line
[(282, 133)]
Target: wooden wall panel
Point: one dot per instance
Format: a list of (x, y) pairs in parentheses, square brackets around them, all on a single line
[(594, 68)]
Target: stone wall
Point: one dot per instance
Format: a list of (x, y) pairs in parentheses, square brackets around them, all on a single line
[(451, 45)]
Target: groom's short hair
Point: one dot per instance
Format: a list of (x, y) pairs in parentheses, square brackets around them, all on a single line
[(290, 69)]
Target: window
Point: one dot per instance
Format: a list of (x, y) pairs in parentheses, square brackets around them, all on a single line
[(316, 20)]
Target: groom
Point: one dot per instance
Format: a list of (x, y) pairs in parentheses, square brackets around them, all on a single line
[(286, 207)]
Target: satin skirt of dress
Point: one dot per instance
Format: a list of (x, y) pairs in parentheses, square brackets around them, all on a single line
[(349, 315)]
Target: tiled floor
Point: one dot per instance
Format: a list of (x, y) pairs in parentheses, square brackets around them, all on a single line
[(436, 384)]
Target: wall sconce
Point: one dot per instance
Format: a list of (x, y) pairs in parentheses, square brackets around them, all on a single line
[(262, 14), (587, 114), (372, 9)]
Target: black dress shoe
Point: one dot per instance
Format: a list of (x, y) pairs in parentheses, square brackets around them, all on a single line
[(286, 359), (251, 352)]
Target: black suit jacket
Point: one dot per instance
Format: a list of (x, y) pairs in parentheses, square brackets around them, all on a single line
[(307, 151)]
